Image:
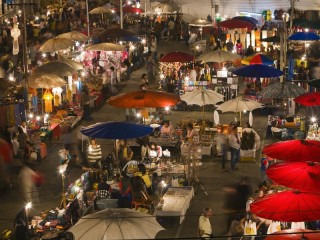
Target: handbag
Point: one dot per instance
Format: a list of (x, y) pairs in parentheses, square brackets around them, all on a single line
[(275, 226), (250, 228)]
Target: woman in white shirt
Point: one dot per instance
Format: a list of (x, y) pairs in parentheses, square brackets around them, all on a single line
[(234, 144)]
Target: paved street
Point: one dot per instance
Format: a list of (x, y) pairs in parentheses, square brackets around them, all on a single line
[(208, 191)]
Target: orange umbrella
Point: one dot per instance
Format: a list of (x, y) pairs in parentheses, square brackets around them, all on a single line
[(144, 99)]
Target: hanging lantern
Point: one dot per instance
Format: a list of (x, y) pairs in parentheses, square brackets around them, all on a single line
[(47, 97)]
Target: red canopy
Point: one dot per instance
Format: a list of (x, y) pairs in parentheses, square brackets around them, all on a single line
[(304, 176), (288, 206), (294, 234), (309, 99), (144, 99), (177, 57), (130, 9), (294, 150), (236, 23)]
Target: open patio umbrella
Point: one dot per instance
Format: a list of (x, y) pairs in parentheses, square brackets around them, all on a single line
[(202, 97), (56, 44), (282, 90), (239, 104), (309, 99), (45, 80), (258, 59), (288, 206), (218, 56), (294, 150), (130, 39), (75, 65), (304, 176), (144, 99), (304, 36), (116, 130), (60, 69), (294, 234), (105, 47), (75, 36), (165, 8), (248, 19), (116, 223), (115, 33), (201, 23), (314, 83), (130, 9), (177, 57), (258, 71), (236, 23), (273, 39), (100, 10)]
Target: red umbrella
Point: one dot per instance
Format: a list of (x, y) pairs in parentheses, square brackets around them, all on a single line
[(303, 176), (294, 234), (294, 150), (236, 23), (130, 9), (177, 57), (288, 206), (144, 99), (309, 99)]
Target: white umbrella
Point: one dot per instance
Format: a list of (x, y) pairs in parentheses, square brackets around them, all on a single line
[(45, 80), (56, 44), (100, 10), (75, 36), (201, 23), (239, 104), (202, 97), (166, 8), (219, 56), (116, 223)]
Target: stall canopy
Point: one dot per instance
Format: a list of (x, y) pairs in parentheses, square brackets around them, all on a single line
[(282, 90), (258, 71), (309, 99), (56, 44), (294, 234), (247, 19), (294, 150), (177, 57), (105, 47), (100, 10), (45, 80), (304, 176), (75, 65), (57, 68), (115, 33), (75, 36), (219, 56), (304, 36), (117, 130), (236, 23), (144, 99), (303, 207), (130, 9), (258, 59), (202, 97), (201, 23), (273, 39), (165, 8), (116, 223), (239, 104)]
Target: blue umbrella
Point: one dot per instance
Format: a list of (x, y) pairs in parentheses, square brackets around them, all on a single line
[(258, 71), (304, 36), (117, 130)]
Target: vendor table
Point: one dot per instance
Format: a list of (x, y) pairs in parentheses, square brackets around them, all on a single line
[(176, 202), (56, 130)]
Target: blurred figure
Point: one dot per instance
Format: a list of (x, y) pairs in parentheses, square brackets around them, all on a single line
[(205, 229), (64, 155), (5, 164), (26, 180), (167, 128), (125, 153), (222, 142), (230, 45), (145, 177), (234, 143)]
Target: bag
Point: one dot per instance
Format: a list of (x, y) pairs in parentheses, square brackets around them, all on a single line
[(275, 226), (250, 228)]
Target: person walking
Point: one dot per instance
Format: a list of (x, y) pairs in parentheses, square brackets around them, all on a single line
[(205, 229), (234, 143), (150, 69), (222, 144), (94, 153)]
